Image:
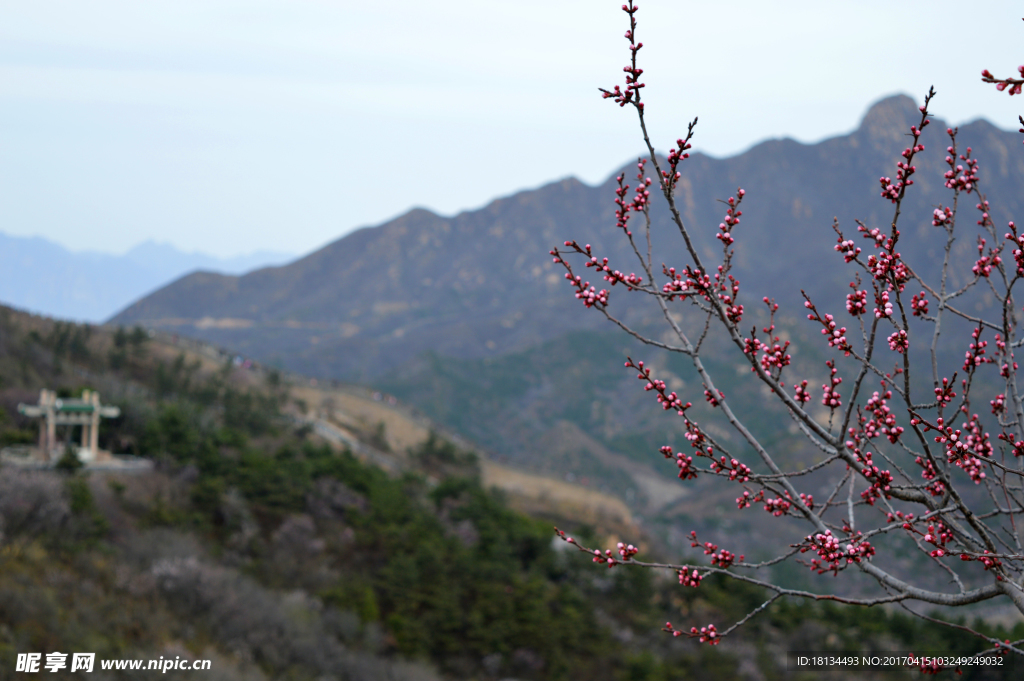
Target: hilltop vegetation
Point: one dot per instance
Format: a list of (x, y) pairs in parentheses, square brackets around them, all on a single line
[(250, 522), (258, 545)]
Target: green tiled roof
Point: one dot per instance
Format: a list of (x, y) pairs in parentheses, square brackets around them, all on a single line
[(75, 407)]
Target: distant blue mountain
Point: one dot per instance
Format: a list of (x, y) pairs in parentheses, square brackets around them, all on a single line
[(43, 277)]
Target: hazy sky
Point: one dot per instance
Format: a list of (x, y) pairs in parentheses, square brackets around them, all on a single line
[(227, 126)]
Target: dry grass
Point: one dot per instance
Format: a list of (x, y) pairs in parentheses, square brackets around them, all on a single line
[(527, 492), (546, 497)]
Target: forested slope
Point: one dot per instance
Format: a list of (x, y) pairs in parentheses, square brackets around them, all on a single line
[(256, 544)]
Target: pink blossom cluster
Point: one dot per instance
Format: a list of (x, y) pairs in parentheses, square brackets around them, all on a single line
[(856, 302), (983, 266), (977, 440), (975, 355), (883, 421), (623, 206), (719, 557), (1000, 345), (942, 217), (587, 294), (775, 357), (684, 462), (690, 578), (826, 545), (625, 551), (732, 218), (800, 393), (744, 500), (938, 535), (613, 276), (986, 219), (836, 337), (675, 157), (857, 438), (880, 484), (1018, 445), (1018, 252), (936, 486), (885, 266), (832, 557), (974, 467), (894, 191), (706, 634), (778, 506), (604, 558), (633, 85), (835, 334), (899, 341), (643, 194), (695, 436), (687, 282), (1011, 86), (880, 479), (584, 291), (733, 468), (964, 447), (919, 304), (944, 394), (884, 305), (989, 561), (733, 310), (848, 248), (712, 399), (947, 436), (875, 235), (957, 177), (665, 399), (900, 516), (830, 395), (751, 346)]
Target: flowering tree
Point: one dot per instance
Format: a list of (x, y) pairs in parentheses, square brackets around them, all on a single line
[(911, 479)]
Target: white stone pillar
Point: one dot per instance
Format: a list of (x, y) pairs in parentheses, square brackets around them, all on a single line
[(94, 429), (51, 418)]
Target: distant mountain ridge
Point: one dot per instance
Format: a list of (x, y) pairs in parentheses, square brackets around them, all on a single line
[(43, 277), (482, 283)]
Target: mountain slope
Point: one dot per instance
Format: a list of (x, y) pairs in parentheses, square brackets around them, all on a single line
[(481, 283)]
